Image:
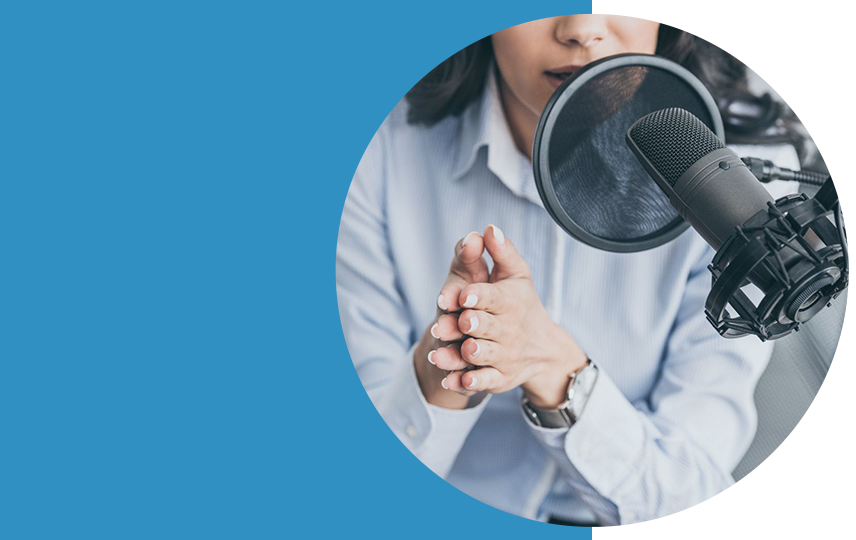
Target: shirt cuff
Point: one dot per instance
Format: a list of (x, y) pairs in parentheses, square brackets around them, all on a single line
[(554, 440), (608, 439), (434, 434)]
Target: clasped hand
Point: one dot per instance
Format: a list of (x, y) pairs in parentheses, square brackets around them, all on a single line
[(492, 333)]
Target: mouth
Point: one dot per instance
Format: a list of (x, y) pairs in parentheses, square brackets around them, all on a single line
[(559, 75)]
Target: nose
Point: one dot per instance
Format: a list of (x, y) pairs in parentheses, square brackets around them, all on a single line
[(582, 30)]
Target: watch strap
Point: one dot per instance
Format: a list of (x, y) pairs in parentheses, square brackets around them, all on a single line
[(579, 389), (548, 418)]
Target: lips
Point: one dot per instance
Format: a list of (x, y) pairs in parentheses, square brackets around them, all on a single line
[(570, 68), (558, 75)]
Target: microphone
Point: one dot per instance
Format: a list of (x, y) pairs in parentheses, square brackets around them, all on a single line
[(758, 240)]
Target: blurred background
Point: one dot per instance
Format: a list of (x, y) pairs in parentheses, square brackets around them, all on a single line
[(800, 361)]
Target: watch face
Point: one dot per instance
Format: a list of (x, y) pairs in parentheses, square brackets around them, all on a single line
[(582, 388), (587, 377)]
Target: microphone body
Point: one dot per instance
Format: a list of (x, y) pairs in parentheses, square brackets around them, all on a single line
[(718, 193)]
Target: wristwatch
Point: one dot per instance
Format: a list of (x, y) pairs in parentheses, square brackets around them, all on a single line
[(579, 389)]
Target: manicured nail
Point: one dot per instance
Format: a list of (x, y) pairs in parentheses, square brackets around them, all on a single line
[(474, 323), (443, 383), (478, 349), (430, 361), (497, 233), (467, 238), (441, 303), (434, 331), (473, 383), (471, 301)]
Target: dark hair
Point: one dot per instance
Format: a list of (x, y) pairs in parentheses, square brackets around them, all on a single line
[(450, 87)]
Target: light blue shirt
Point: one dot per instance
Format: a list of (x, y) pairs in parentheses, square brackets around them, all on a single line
[(672, 411)]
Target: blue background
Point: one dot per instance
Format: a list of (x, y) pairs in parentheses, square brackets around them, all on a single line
[(173, 174)]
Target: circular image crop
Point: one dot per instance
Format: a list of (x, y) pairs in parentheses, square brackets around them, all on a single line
[(591, 270)]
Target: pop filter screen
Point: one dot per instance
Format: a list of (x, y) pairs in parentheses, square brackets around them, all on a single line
[(589, 180)]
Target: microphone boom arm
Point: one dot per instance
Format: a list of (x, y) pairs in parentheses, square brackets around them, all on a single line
[(767, 171)]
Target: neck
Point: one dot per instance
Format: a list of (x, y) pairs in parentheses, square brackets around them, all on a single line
[(522, 121)]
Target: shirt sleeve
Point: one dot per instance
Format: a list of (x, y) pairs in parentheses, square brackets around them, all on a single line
[(378, 329), (639, 461)]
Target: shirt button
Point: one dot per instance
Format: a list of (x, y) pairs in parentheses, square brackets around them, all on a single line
[(411, 431)]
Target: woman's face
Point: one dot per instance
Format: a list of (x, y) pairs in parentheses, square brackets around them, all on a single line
[(534, 58)]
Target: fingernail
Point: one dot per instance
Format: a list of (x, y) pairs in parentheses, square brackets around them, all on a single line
[(441, 303), (430, 354), (473, 383), (467, 238), (497, 233), (434, 331), (474, 323), (471, 301), (478, 349), (443, 383)]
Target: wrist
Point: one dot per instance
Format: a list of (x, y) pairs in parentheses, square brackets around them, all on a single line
[(549, 388)]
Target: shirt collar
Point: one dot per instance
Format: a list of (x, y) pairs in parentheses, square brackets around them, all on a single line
[(484, 125)]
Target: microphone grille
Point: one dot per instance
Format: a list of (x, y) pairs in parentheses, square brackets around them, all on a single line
[(672, 140)]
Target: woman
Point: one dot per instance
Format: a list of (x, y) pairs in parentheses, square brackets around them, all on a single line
[(468, 364)]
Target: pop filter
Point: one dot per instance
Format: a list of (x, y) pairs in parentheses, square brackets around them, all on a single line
[(588, 179)]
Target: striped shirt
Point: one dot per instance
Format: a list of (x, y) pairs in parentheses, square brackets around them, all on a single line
[(672, 411)]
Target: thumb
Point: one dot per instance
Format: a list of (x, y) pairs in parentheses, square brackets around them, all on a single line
[(468, 261), (507, 261), (468, 266)]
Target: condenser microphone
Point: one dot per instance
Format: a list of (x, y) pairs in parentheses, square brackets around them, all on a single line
[(705, 181), (757, 239)]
